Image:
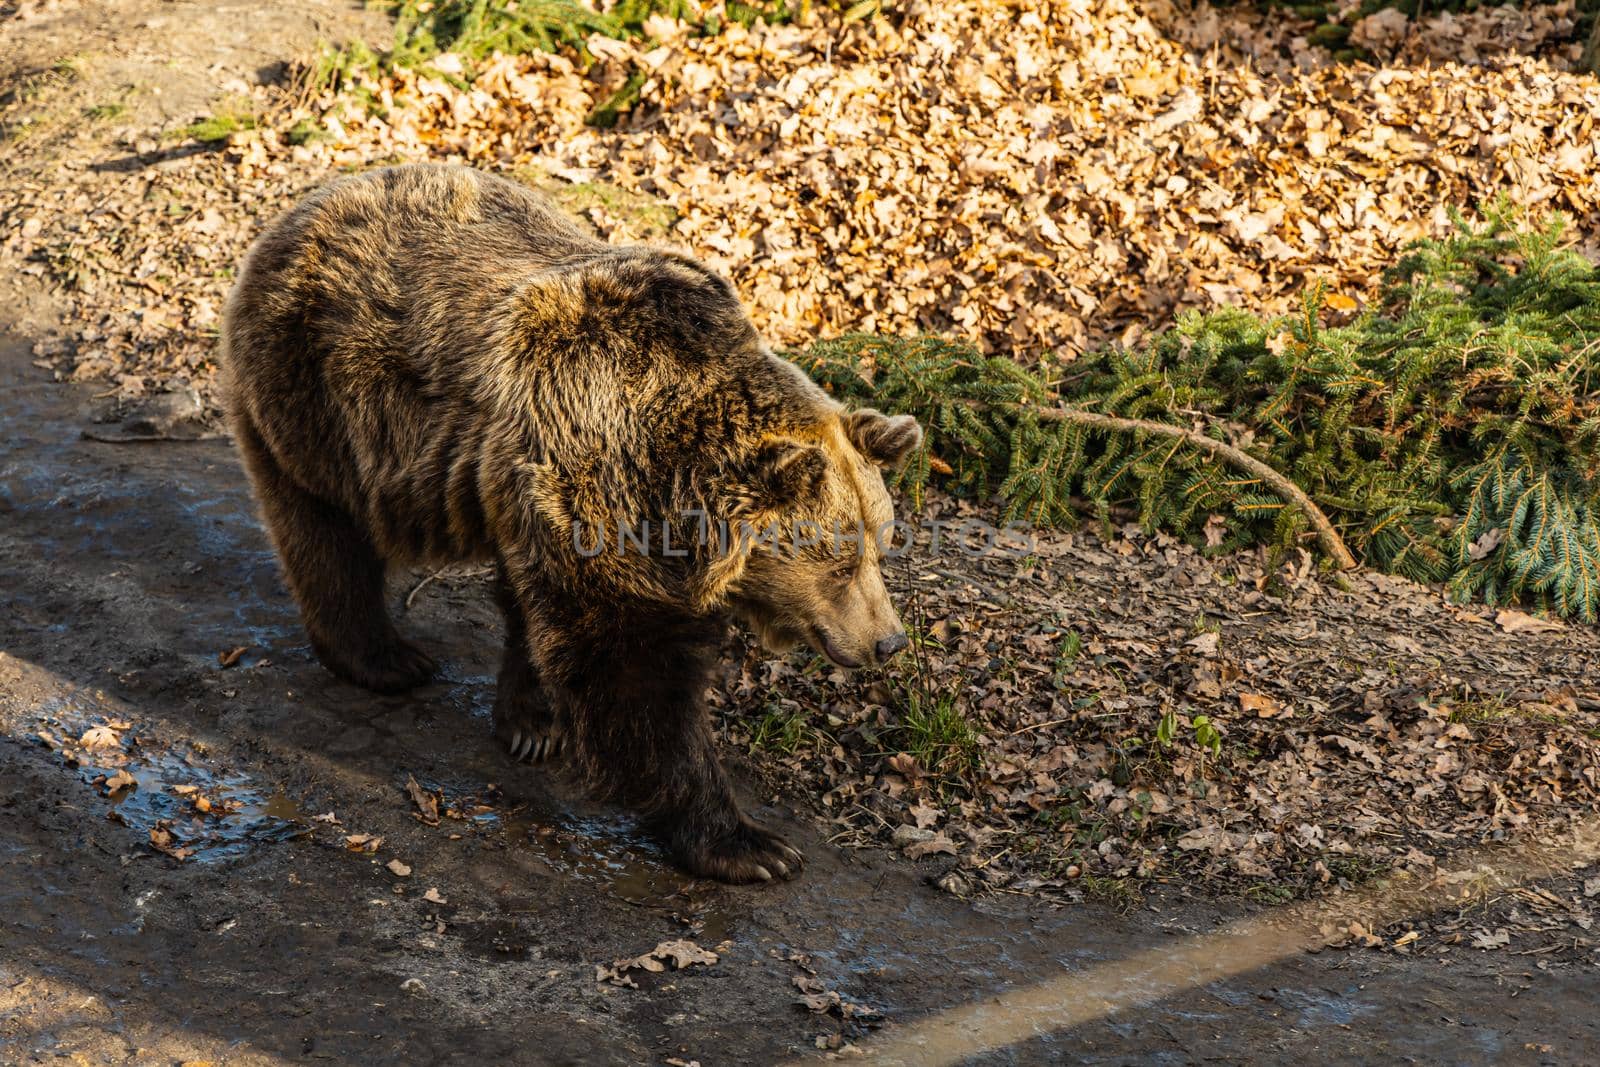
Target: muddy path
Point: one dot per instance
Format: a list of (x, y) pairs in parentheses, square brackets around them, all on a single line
[(128, 571)]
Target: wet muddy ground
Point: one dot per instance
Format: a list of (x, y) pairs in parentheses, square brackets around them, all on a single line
[(215, 907)]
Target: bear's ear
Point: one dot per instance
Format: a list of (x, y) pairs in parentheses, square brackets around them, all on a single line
[(786, 472), (883, 439)]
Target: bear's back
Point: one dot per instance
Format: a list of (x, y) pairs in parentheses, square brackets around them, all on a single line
[(397, 262), (402, 338)]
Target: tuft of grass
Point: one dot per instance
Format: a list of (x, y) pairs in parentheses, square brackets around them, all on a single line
[(306, 131), (1271, 893), (219, 126), (1473, 712), (782, 731), (1118, 893), (1481, 710), (105, 112), (932, 727), (941, 737), (1356, 870)]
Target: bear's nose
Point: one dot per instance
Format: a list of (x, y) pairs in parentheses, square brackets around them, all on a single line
[(890, 645)]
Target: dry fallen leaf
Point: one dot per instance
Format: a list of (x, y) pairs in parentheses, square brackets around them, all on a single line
[(100, 737), (1486, 939), (679, 954), (162, 838), (683, 953), (815, 996), (1262, 705), (938, 843), (905, 763), (427, 803), (398, 869), (362, 842), (231, 656), (119, 781), (1518, 622), (925, 815)]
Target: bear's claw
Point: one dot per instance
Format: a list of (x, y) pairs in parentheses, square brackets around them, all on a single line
[(526, 727), (531, 746)]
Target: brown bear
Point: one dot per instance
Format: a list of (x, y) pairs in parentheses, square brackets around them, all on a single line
[(432, 364)]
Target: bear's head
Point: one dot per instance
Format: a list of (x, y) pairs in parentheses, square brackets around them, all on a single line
[(806, 555)]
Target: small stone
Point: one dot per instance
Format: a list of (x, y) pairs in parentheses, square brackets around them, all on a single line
[(910, 835)]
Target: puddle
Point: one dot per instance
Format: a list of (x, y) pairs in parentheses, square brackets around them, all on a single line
[(609, 852), (172, 799)]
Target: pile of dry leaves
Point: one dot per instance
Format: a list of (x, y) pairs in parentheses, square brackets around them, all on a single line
[(1037, 176)]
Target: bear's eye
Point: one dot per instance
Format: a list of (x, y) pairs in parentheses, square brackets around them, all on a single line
[(845, 573)]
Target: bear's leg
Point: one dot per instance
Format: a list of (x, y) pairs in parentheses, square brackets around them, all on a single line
[(631, 695), (335, 575), (523, 720)]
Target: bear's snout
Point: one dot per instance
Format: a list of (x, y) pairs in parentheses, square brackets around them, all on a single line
[(890, 646)]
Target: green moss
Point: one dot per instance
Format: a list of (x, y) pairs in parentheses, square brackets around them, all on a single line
[(306, 131)]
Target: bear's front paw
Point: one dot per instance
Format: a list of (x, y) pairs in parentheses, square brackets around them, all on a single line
[(525, 725), (746, 854)]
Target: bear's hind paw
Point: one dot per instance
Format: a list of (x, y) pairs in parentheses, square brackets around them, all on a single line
[(748, 854), (393, 666)]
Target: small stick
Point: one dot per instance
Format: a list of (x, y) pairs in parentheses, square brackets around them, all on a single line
[(418, 587), (1327, 536), (1038, 726)]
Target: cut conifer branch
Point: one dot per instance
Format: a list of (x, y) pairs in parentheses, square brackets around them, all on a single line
[(1452, 425)]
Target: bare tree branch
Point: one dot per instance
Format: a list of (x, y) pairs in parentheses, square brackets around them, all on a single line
[(1327, 536)]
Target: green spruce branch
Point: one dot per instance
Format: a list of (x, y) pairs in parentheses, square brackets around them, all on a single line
[(1451, 432)]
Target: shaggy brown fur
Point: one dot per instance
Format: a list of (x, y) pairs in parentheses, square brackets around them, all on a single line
[(432, 364)]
